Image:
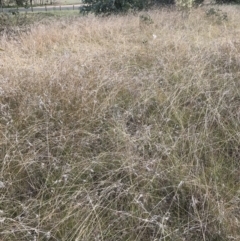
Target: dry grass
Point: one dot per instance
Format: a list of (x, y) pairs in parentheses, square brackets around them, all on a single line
[(108, 133)]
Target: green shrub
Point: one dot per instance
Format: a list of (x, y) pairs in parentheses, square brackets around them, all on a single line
[(106, 7), (187, 4), (227, 1), (216, 15), (111, 6)]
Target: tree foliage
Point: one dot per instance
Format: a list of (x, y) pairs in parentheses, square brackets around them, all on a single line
[(105, 7), (228, 1), (117, 6)]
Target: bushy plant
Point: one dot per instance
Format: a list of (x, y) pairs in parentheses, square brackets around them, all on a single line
[(187, 4), (164, 2), (227, 1), (112, 6), (119, 6), (216, 15), (184, 4)]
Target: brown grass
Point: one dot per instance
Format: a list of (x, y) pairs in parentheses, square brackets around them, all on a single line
[(108, 133)]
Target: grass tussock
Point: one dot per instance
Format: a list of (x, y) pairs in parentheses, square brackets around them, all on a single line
[(119, 129)]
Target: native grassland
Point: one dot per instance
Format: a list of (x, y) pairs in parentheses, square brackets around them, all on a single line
[(121, 128)]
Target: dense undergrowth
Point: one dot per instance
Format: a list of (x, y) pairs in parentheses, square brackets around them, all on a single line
[(121, 129)]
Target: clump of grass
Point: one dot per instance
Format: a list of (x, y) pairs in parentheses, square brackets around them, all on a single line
[(114, 131)]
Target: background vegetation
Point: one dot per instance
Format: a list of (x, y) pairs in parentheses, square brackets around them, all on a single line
[(120, 6), (121, 128)]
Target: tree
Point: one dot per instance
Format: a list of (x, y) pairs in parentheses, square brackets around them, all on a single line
[(21, 3), (106, 7), (228, 1)]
